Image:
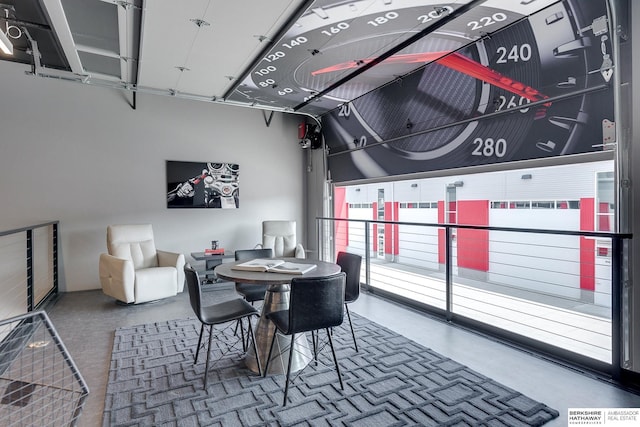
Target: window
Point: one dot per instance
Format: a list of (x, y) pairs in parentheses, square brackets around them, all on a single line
[(451, 206), (521, 204), (605, 202), (428, 205), (548, 204)]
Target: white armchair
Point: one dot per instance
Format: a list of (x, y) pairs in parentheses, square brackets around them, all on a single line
[(134, 271), (281, 237)]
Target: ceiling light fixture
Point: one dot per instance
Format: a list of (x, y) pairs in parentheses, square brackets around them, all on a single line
[(5, 44)]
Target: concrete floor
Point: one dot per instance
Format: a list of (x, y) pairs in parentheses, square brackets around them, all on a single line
[(86, 322)]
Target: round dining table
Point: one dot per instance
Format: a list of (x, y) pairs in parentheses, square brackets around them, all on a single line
[(276, 299)]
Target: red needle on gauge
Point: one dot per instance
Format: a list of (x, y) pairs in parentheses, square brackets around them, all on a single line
[(455, 61)]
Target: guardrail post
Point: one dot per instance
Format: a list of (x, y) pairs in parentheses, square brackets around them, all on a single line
[(29, 270), (448, 257), (367, 257), (319, 244), (55, 258), (616, 307)]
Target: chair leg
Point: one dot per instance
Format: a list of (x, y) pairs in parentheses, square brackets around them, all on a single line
[(235, 331), (255, 346), (353, 334), (315, 347), (206, 369), (286, 384), (335, 359), (244, 344), (266, 368), (195, 360), (247, 341)]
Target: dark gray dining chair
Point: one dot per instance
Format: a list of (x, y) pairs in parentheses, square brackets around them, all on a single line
[(252, 292), (314, 304), (226, 311), (350, 264)]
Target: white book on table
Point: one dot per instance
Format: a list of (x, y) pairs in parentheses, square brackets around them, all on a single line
[(259, 264), (274, 266), (292, 268)]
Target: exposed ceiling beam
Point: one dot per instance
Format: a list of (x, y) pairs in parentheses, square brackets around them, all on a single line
[(63, 33), (128, 37)]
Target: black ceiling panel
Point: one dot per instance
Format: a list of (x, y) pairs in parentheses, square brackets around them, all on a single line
[(25, 18)]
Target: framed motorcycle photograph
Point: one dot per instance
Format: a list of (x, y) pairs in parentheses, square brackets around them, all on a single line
[(202, 185)]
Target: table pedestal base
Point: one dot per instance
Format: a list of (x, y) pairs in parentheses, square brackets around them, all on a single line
[(276, 299)]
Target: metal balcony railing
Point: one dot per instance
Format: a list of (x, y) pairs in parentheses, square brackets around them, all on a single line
[(559, 292), (39, 382), (28, 268)]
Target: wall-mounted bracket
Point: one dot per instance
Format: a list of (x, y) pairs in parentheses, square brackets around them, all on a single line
[(267, 120)]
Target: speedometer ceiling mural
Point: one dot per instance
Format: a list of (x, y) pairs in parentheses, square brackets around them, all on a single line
[(334, 40), (418, 85), (536, 88)]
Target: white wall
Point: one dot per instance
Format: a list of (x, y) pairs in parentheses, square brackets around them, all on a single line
[(82, 155), (418, 244)]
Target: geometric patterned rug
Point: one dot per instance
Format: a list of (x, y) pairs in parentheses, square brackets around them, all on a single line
[(391, 381)]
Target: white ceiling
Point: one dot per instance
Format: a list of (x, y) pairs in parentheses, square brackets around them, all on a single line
[(190, 48), (206, 59)]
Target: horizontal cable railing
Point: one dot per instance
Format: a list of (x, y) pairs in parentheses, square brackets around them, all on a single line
[(28, 268), (557, 290), (42, 385)]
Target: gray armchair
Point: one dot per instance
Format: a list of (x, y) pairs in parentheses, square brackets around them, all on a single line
[(281, 237), (134, 271)]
